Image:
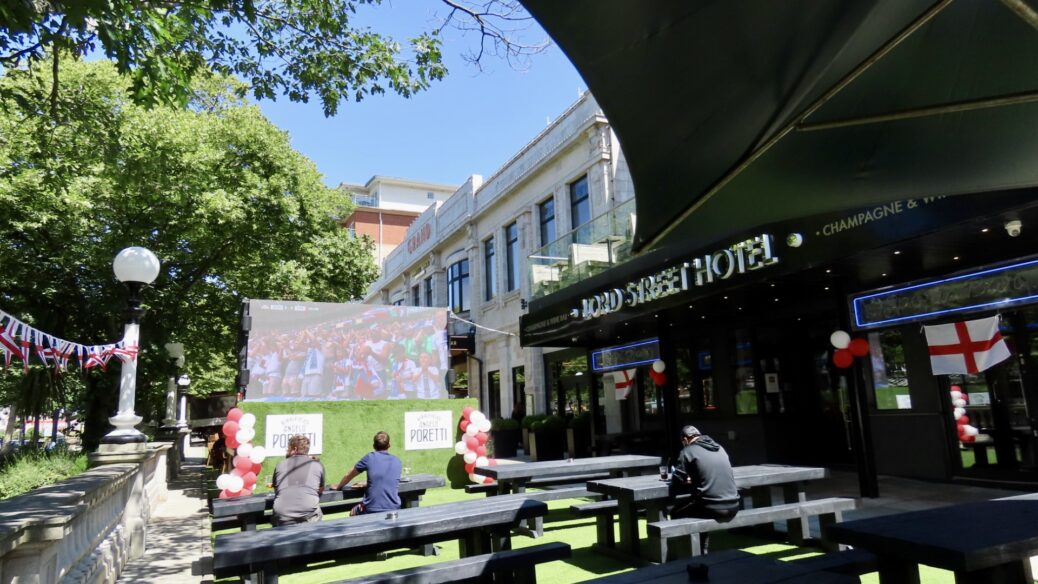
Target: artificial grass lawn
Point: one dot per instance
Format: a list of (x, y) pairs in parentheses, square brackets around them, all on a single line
[(584, 564)]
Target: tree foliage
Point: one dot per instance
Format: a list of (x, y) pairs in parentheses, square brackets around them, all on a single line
[(215, 190), (295, 48)]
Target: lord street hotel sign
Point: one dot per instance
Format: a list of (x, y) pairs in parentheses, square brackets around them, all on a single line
[(745, 256)]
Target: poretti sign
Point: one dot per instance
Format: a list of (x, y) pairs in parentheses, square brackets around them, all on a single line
[(745, 256)]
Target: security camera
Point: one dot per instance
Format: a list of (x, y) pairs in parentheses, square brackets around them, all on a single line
[(1013, 228)]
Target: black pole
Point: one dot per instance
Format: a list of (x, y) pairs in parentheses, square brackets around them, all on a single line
[(861, 426)]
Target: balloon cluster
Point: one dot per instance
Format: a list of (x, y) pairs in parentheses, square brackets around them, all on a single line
[(847, 349), (967, 433), (238, 433), (473, 445), (656, 372)]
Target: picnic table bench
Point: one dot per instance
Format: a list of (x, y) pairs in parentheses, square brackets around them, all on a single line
[(727, 567), (987, 541), (654, 495), (481, 526), (248, 512), (514, 478)]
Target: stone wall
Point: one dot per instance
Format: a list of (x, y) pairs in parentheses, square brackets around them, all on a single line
[(84, 529)]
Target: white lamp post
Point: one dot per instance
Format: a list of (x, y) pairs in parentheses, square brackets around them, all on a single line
[(136, 267), (176, 355)]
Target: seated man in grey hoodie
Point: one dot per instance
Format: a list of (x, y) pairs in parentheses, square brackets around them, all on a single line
[(709, 478)]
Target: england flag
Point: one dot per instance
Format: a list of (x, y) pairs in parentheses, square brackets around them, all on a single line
[(966, 347), (624, 381)]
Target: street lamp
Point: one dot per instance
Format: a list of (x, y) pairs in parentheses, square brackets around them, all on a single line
[(176, 357), (136, 267), (183, 432)]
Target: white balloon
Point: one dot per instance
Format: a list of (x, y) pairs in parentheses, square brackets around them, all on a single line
[(221, 481), (237, 473), (482, 461), (461, 448), (247, 421), (235, 484), (659, 366), (956, 394), (959, 412), (470, 457), (476, 417), (258, 455), (484, 426), (472, 429), (840, 339), (245, 450), (971, 430), (245, 435), (959, 403)]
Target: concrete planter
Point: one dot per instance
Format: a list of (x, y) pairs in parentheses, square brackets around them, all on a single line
[(578, 442), (547, 445), (505, 442)]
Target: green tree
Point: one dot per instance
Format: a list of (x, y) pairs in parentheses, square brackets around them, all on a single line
[(295, 48), (214, 189)]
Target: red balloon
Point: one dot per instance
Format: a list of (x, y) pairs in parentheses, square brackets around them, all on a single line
[(230, 428), (481, 437), (243, 464), (956, 388), (470, 467), (232, 442), (224, 494), (471, 442), (858, 347), (466, 412), (962, 420), (842, 358), (967, 438), (244, 492), (234, 415), (463, 425), (492, 462), (654, 376), (488, 480), (249, 479), (256, 468), (481, 450), (661, 379)]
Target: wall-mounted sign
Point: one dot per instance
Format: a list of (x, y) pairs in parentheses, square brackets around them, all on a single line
[(989, 289), (462, 343), (740, 258), (629, 355), (428, 430), (421, 236), (280, 428)]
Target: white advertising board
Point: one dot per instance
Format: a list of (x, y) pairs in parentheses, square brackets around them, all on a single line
[(428, 430), (280, 428)]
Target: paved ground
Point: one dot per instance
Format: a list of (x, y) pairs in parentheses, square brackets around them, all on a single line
[(179, 549), (178, 540)]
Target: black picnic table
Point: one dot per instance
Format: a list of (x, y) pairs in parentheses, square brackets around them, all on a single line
[(250, 510), (481, 526), (654, 494), (514, 477), (726, 567), (987, 541)]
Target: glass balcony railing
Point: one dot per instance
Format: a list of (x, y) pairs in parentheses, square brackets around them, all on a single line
[(365, 200), (592, 248)]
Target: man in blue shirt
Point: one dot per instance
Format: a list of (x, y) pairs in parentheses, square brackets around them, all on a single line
[(383, 477)]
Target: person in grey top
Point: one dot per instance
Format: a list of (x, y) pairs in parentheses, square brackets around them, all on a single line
[(298, 484), (707, 474)]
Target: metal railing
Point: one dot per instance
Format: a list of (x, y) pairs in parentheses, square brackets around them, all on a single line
[(362, 200), (596, 246)]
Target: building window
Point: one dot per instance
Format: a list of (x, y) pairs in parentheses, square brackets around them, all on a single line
[(352, 230), (398, 302), (458, 286), (579, 203), (889, 372), (430, 196), (416, 295), (489, 270), (428, 291), (518, 392), (546, 212), (512, 255), (494, 394)]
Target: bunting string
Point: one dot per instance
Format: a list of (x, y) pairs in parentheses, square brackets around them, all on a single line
[(21, 341)]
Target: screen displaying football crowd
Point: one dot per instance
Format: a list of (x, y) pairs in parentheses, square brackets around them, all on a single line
[(321, 351)]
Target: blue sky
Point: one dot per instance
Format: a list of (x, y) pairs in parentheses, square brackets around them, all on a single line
[(471, 122)]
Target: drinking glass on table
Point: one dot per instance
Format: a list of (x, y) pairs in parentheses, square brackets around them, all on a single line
[(407, 473), (664, 472)]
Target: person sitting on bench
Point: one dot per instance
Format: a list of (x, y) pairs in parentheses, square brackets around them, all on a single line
[(298, 484), (383, 477), (707, 471)]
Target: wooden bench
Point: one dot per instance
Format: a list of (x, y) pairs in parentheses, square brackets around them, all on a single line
[(849, 561), (508, 566), (549, 494), (661, 532), (603, 512), (492, 489)]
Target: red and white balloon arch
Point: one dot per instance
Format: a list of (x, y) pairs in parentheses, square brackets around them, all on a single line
[(473, 445), (238, 431)]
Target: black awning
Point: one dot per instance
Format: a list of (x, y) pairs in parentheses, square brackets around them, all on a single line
[(736, 113)]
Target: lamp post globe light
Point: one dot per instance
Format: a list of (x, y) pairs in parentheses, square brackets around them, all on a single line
[(136, 267)]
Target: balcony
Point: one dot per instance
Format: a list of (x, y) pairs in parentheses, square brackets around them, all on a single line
[(590, 249), (364, 200)]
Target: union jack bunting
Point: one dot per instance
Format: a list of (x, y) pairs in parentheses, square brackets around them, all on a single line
[(41, 343), (8, 342), (62, 351), (21, 340), (24, 345), (125, 353)]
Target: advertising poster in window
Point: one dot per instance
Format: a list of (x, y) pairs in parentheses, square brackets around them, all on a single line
[(314, 351)]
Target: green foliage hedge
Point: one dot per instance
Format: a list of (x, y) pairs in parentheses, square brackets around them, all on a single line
[(499, 424), (31, 469), (350, 426)]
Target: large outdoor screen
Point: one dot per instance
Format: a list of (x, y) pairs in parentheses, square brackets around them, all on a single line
[(322, 351)]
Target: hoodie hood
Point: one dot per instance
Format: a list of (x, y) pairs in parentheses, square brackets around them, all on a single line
[(708, 443)]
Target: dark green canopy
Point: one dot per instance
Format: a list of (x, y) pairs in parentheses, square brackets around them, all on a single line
[(738, 113)]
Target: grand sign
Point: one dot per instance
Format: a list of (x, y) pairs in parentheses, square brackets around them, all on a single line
[(745, 256), (422, 236), (987, 289)]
